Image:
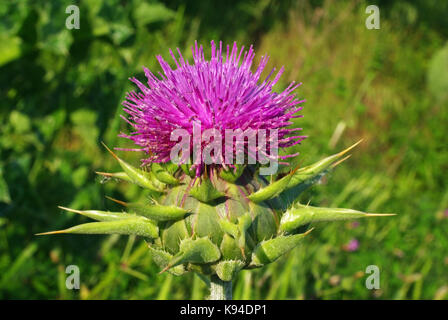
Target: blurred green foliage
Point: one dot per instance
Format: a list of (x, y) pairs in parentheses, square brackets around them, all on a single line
[(61, 92)]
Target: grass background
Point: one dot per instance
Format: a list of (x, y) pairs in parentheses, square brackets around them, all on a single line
[(60, 96)]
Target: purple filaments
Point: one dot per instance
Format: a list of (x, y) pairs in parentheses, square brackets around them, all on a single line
[(220, 93)]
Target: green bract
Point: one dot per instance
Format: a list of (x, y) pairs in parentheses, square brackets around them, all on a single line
[(221, 222)]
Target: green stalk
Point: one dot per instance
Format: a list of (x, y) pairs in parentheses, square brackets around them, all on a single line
[(220, 290)]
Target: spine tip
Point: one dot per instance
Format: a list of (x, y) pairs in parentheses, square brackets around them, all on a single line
[(110, 151), (380, 214), (51, 232), (70, 210), (117, 201)]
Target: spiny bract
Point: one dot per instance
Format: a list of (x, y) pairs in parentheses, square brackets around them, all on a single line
[(213, 219), (219, 223)]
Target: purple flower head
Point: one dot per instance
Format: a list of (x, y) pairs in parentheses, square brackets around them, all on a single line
[(220, 93), (355, 224), (352, 245)]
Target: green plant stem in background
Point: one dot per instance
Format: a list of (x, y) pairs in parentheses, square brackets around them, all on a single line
[(220, 290)]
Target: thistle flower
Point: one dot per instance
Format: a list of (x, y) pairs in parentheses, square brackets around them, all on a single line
[(214, 219), (221, 93)]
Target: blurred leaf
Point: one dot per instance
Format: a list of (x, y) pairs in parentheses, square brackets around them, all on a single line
[(59, 43), (438, 74), (146, 13), (121, 32), (4, 191), (22, 259), (10, 48), (84, 121), (20, 122), (80, 176), (51, 123)]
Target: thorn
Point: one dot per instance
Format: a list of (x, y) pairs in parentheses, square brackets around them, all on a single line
[(51, 232), (296, 168), (70, 210), (117, 201), (380, 214), (111, 152), (308, 232), (349, 148), (340, 161), (106, 174), (153, 200), (164, 269), (243, 253)]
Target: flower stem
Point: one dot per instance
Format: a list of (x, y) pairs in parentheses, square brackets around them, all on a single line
[(220, 290)]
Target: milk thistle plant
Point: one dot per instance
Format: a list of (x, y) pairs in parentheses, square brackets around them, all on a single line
[(210, 213)]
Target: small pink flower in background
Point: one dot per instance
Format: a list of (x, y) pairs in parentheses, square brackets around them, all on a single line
[(352, 245), (355, 224), (445, 213)]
